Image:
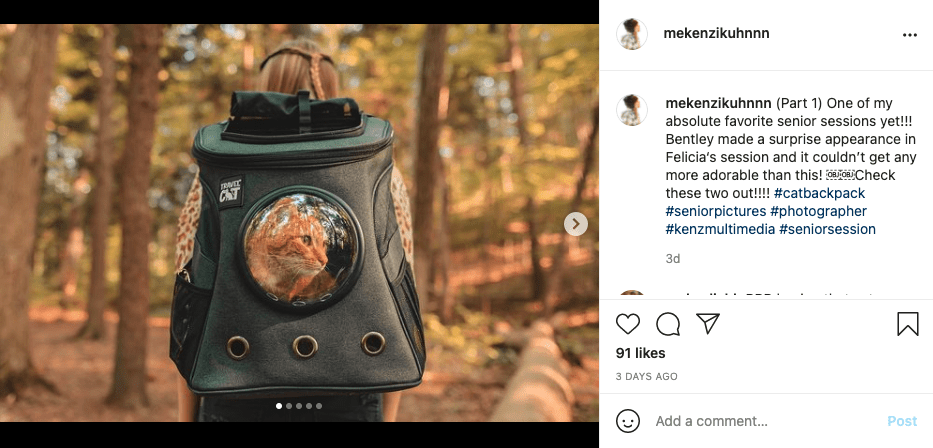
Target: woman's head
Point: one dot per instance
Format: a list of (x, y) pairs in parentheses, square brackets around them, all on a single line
[(299, 65), (631, 102), (631, 25)]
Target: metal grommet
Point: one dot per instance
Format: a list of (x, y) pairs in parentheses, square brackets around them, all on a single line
[(304, 346), (373, 343), (237, 348)]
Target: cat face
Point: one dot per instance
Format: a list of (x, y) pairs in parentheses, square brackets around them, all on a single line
[(297, 243), (286, 251)]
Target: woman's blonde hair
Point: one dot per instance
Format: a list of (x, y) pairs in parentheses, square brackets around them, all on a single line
[(298, 65)]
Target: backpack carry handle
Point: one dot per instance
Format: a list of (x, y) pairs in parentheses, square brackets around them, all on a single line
[(278, 114)]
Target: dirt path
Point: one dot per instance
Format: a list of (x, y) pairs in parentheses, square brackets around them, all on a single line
[(82, 371)]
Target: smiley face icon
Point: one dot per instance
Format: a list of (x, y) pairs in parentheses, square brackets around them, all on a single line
[(628, 420)]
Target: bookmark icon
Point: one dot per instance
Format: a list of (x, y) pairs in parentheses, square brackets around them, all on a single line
[(709, 319), (908, 321)]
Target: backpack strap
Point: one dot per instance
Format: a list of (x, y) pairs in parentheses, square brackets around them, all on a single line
[(304, 112)]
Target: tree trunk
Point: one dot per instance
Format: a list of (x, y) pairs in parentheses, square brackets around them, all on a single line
[(539, 390), (491, 205), (445, 294), (517, 90), (129, 373), (73, 248), (249, 56), (103, 191), (300, 30), (432, 76), (442, 260), (537, 272), (517, 84), (25, 86), (555, 280)]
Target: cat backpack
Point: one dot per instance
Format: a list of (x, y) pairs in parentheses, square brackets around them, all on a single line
[(298, 282)]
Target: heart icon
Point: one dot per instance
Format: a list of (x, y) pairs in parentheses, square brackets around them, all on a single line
[(628, 322)]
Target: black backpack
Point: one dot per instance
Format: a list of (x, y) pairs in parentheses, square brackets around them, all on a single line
[(298, 282)]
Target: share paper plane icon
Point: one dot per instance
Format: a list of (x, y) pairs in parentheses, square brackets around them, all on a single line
[(709, 319)]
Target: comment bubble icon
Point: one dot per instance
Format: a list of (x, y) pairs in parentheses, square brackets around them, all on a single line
[(669, 324)]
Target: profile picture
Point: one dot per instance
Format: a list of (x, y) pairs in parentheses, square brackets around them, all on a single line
[(632, 292), (632, 110), (631, 34)]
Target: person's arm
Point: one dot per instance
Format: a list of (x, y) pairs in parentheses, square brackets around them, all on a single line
[(390, 401), (400, 200), (187, 402), (187, 226)]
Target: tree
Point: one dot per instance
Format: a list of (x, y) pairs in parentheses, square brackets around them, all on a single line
[(517, 84), (517, 89), (103, 191), (25, 84), (432, 77), (442, 260), (555, 280), (129, 373), (73, 248)]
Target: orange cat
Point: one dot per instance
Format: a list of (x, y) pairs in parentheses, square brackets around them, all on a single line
[(287, 251)]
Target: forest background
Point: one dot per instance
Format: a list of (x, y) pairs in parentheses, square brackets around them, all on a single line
[(496, 135)]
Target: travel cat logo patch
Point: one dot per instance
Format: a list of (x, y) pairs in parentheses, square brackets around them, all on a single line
[(231, 192)]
